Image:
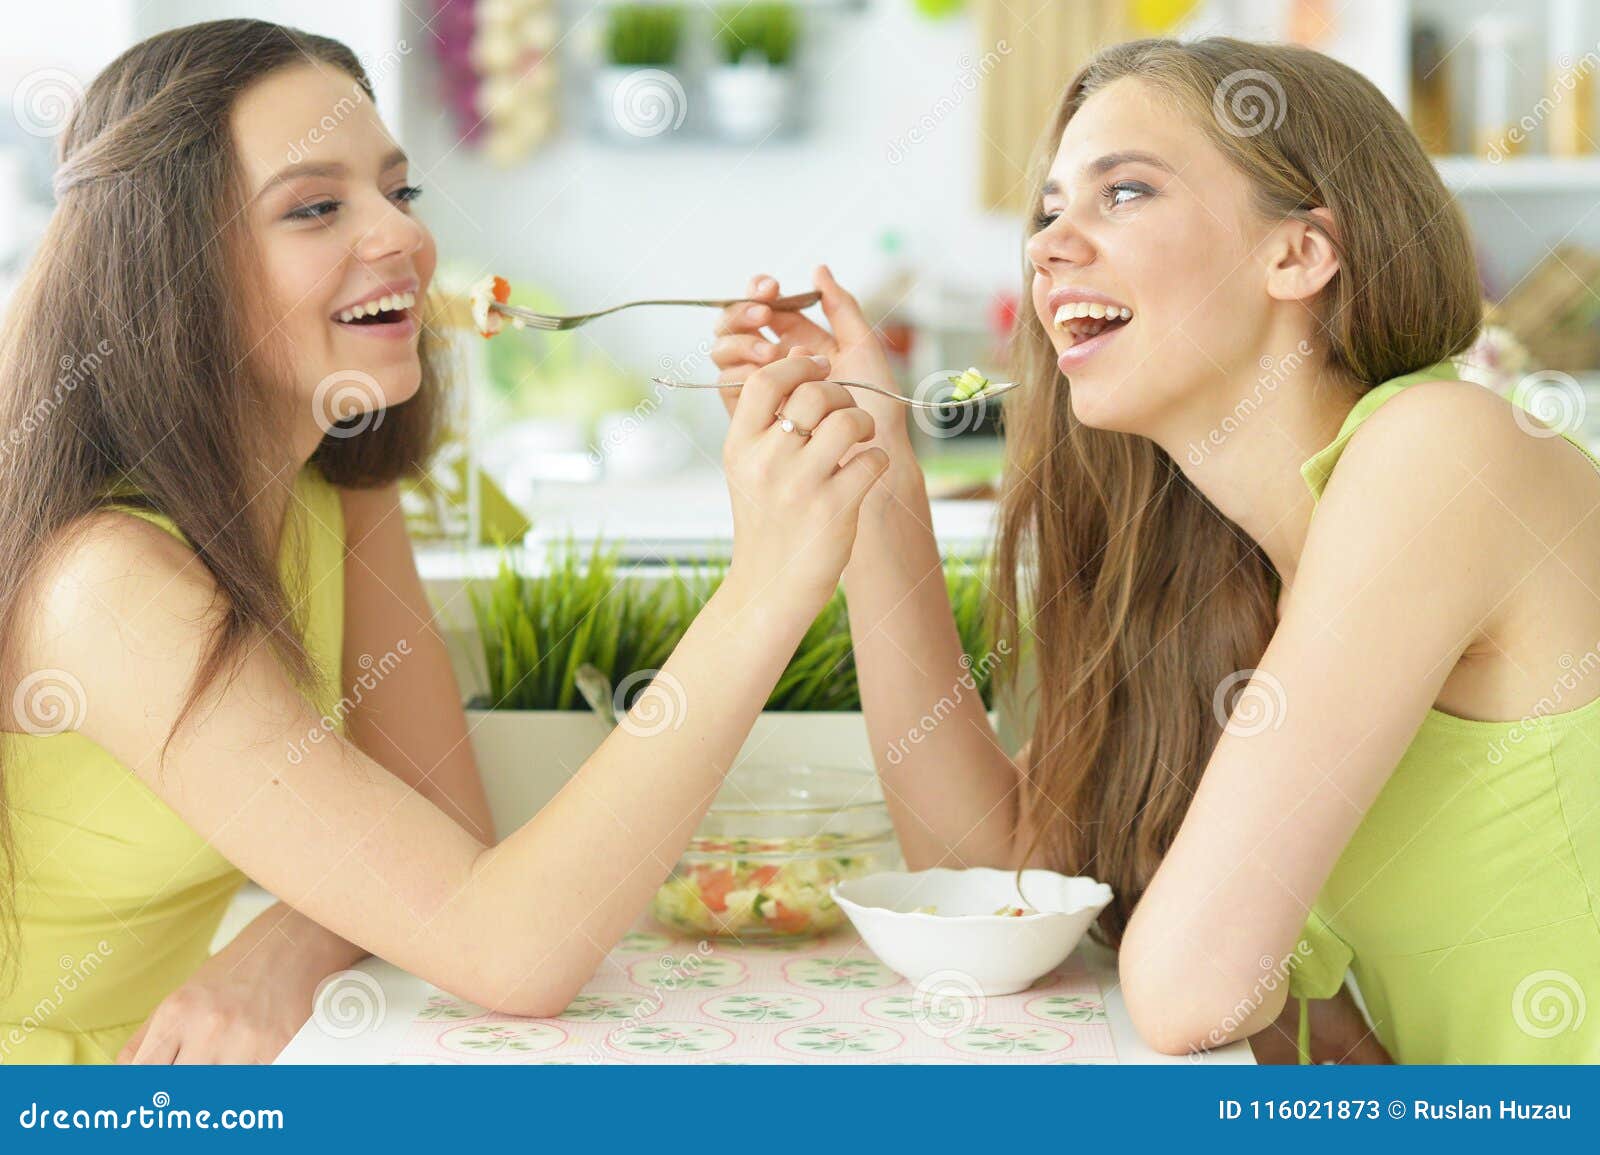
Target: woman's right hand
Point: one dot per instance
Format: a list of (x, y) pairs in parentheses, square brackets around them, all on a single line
[(795, 506), (741, 347)]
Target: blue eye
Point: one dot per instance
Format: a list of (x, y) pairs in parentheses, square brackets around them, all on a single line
[(1043, 220), (406, 193), (1124, 191)]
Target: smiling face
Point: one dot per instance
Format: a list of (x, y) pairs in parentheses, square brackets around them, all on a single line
[(1150, 271), (345, 264)]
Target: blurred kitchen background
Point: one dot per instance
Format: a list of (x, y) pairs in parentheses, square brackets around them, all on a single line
[(598, 152)]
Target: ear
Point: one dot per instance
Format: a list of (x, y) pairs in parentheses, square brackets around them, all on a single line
[(1304, 258)]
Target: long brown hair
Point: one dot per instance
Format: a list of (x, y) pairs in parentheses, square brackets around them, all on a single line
[(1139, 597), (126, 366)]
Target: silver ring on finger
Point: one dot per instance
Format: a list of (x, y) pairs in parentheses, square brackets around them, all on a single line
[(788, 426)]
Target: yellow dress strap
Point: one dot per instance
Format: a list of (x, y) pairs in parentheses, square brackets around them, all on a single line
[(1316, 971)]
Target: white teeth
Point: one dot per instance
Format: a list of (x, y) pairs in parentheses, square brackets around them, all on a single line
[(1092, 310), (392, 303)]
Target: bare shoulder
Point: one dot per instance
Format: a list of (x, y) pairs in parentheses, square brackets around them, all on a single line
[(1463, 430), (108, 582), (1450, 497)]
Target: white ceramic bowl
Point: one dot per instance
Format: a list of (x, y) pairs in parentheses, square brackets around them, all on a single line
[(966, 943)]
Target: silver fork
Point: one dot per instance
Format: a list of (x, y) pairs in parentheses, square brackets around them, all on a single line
[(989, 394), (553, 323)]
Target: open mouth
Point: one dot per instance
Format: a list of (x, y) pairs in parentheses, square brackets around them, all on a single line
[(1083, 321), (386, 310)]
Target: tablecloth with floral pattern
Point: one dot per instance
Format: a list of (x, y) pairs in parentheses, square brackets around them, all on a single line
[(665, 999)]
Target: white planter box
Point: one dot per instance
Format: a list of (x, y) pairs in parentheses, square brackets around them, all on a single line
[(748, 101), (526, 756), (638, 105)]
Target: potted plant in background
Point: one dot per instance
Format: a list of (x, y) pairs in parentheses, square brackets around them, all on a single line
[(533, 727), (638, 95), (750, 88)]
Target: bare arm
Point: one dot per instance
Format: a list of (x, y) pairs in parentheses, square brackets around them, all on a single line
[(519, 926), (411, 719), (951, 788), (1407, 558)]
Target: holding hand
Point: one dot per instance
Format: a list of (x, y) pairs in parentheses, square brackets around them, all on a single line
[(794, 504), (852, 347), (246, 1002)]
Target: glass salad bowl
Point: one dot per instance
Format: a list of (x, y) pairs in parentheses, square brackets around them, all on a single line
[(774, 842)]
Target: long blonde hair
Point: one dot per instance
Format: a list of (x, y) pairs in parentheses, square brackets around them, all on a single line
[(1139, 599)]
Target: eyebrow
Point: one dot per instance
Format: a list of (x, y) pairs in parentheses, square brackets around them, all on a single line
[(1112, 160), (324, 168)]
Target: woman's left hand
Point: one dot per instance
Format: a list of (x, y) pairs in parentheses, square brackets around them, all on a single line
[(246, 1002)]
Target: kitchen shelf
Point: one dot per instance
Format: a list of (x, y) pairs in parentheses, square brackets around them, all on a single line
[(1470, 174)]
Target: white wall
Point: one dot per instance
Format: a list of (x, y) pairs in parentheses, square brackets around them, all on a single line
[(599, 222)]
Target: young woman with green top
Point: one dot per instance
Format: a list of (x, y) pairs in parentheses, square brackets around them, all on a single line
[(217, 655), (1314, 622)]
